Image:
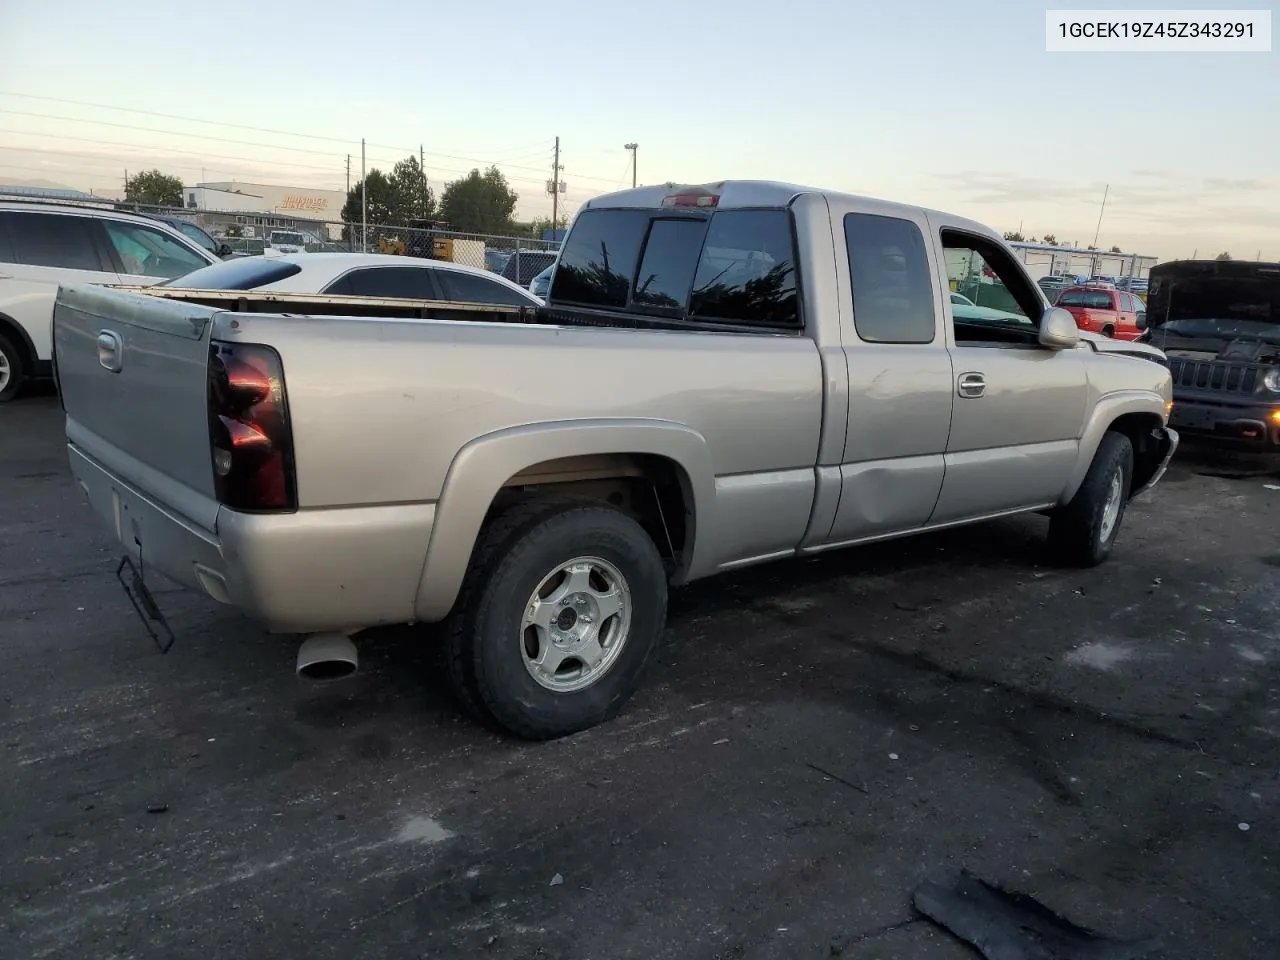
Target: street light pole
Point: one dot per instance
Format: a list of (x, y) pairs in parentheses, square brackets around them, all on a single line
[(633, 147)]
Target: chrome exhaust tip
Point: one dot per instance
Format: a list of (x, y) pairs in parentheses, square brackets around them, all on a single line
[(327, 656)]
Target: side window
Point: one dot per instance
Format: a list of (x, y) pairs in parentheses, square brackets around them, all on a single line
[(599, 259), (747, 272), (56, 240), (670, 260), (892, 285), (408, 283), (340, 287), (149, 253), (468, 288), (1005, 305), (6, 246)]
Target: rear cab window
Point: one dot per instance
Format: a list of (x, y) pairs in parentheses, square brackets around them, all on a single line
[(1087, 299), (733, 268), (243, 274), (891, 278)]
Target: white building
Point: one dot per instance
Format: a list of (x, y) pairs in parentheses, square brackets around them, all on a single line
[(1043, 259), (257, 207)]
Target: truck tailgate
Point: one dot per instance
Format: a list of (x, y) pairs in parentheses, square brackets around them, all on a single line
[(131, 372)]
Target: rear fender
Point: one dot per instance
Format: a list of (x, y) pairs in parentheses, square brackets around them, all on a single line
[(1107, 411), (484, 465)]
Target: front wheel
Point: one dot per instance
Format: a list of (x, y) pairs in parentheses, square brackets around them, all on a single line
[(12, 371), (1082, 532), (560, 614)]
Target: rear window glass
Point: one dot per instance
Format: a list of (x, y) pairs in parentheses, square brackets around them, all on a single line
[(670, 260), (247, 273), (747, 273), (736, 267), (1089, 299), (600, 258), (891, 278), (469, 288)]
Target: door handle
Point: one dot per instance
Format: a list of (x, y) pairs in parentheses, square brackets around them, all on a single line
[(109, 346), (971, 385)]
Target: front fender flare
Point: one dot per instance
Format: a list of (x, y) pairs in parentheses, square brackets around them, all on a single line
[(483, 466), (1105, 412)]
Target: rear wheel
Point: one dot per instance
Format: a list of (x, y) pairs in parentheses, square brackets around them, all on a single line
[(1082, 533), (1108, 331), (12, 369), (558, 618)]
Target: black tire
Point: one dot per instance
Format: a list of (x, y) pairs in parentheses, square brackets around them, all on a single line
[(1108, 331), (16, 362), (1075, 530), (515, 552)]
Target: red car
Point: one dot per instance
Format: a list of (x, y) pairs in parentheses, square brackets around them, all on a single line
[(1112, 313)]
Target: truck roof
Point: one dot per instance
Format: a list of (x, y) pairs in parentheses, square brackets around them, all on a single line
[(737, 194)]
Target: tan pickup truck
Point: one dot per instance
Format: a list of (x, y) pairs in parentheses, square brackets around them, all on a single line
[(722, 375)]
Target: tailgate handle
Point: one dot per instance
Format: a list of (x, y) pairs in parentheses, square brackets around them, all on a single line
[(109, 348)]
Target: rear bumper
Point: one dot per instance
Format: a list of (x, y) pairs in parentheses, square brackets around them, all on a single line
[(1246, 424), (310, 571)]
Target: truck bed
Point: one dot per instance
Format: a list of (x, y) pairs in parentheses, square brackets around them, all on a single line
[(336, 305)]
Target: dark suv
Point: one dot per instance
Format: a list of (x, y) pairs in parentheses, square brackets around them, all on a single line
[(1218, 323)]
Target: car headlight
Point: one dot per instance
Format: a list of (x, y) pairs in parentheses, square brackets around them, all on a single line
[(1272, 380)]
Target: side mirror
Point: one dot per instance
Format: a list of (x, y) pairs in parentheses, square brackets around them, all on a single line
[(1141, 321), (1058, 330)]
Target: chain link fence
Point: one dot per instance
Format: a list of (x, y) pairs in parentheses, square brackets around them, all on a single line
[(517, 258)]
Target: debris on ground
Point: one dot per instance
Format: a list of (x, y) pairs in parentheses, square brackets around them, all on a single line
[(1005, 925), (557, 880)]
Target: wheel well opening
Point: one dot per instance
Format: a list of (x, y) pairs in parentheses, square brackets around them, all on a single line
[(1141, 429), (653, 490), (18, 338)]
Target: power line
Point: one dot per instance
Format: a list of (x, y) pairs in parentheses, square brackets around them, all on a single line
[(222, 123), (256, 143)]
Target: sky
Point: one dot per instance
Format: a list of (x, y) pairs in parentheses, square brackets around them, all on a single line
[(955, 106)]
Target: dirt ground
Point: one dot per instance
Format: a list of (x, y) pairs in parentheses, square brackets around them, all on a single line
[(816, 740)]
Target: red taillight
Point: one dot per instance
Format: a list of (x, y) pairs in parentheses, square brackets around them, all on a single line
[(691, 198), (249, 428)]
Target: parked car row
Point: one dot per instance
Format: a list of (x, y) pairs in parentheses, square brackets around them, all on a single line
[(755, 371), (43, 245)]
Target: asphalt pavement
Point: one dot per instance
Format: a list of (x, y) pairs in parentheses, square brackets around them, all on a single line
[(816, 740)]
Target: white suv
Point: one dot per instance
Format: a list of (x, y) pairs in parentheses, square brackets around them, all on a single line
[(43, 245)]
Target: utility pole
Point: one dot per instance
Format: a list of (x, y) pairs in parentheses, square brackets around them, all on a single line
[(555, 191), (422, 167), (364, 203), (633, 147), (1100, 213), (348, 173)]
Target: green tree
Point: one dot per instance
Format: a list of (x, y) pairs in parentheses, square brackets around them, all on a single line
[(1116, 249), (1051, 239), (1014, 235), (413, 198), (153, 188), (542, 224), (1223, 256), (392, 200), (380, 204), (479, 203)]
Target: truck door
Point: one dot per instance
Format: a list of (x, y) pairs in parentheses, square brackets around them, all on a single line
[(1019, 406), (900, 378)]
